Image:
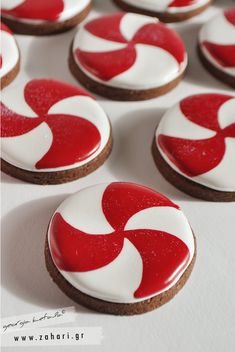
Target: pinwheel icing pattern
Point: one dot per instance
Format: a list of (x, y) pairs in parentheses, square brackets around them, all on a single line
[(47, 10), (52, 124), (116, 50), (217, 40), (9, 54), (210, 116), (126, 219)]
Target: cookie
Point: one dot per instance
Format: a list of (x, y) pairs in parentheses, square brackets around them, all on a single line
[(165, 10), (217, 46), (9, 56), (194, 146), (126, 56), (52, 132), (119, 248), (44, 16)]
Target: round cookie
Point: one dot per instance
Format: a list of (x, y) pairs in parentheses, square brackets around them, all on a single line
[(44, 16), (194, 146), (9, 56), (126, 56), (217, 46), (52, 132), (119, 248), (165, 10)]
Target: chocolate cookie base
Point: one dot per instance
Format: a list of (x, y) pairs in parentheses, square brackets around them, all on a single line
[(163, 16), (217, 73), (119, 93), (57, 177), (187, 186), (45, 28), (10, 76), (111, 307)]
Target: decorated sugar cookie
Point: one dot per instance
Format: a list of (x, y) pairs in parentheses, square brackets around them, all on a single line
[(52, 132), (119, 248), (217, 46), (127, 56), (165, 10), (43, 16), (194, 146), (9, 56)]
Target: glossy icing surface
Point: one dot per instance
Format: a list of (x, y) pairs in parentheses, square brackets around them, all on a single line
[(197, 139), (217, 41), (137, 245), (37, 11), (51, 126), (9, 53), (167, 6), (129, 51)]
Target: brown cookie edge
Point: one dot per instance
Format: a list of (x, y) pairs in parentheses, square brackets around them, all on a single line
[(213, 70), (47, 28), (111, 307), (119, 94), (58, 177), (185, 185), (164, 17), (11, 75)]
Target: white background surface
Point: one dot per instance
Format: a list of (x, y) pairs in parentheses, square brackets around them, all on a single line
[(202, 316)]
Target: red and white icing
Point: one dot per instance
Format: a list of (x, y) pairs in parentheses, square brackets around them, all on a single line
[(48, 125), (196, 137), (129, 51), (167, 6), (42, 10), (9, 53), (120, 242), (217, 41)]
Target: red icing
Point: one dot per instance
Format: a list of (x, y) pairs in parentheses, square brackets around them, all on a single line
[(162, 253), (70, 133), (224, 55), (196, 157), (0, 61), (3, 27), (181, 3), (48, 10), (230, 15), (106, 65)]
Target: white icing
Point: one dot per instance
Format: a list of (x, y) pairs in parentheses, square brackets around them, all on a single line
[(10, 4), (86, 41), (114, 282), (81, 106), (19, 105), (118, 280), (162, 5), (130, 24), (86, 108), (18, 151), (220, 178), (71, 9), (218, 31), (157, 218), (80, 208), (152, 68), (226, 113), (177, 125), (9, 52)]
